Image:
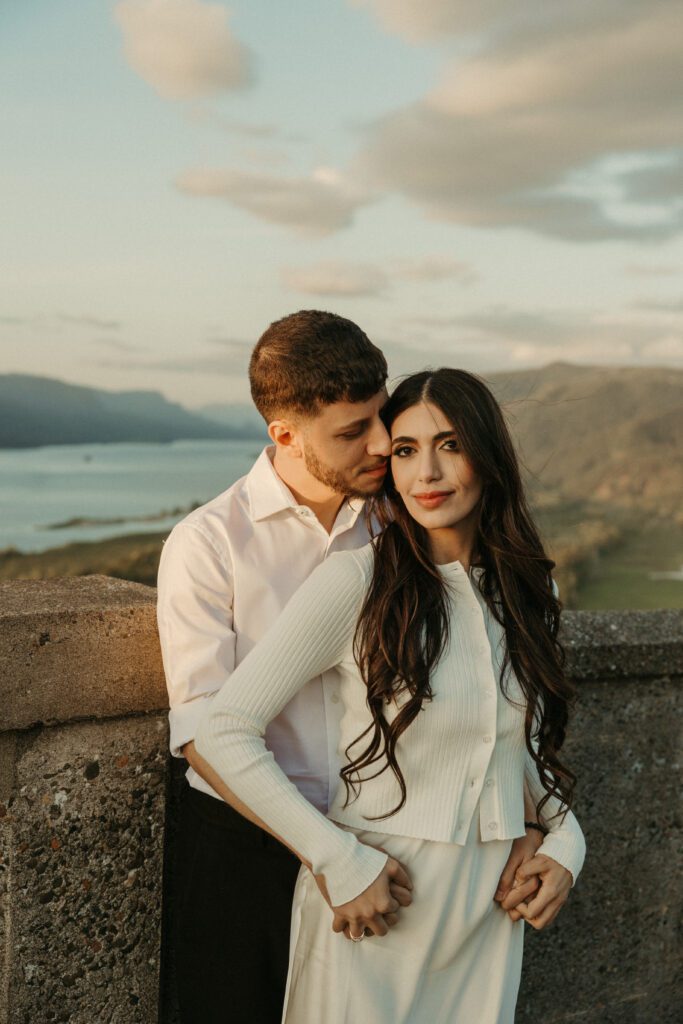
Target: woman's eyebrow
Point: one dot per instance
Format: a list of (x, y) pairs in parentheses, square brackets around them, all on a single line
[(412, 440)]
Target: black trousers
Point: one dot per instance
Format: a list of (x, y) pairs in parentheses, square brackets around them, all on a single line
[(232, 915)]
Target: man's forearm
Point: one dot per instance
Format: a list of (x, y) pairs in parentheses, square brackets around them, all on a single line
[(204, 769)]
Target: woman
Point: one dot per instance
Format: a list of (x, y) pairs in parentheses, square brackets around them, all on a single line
[(439, 646)]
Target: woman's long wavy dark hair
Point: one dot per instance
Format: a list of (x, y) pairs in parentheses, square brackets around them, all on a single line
[(403, 625)]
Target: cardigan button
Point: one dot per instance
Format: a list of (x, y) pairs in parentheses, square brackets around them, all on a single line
[(489, 782), (486, 739), (493, 825)]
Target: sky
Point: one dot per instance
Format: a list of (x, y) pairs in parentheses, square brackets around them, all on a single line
[(491, 185)]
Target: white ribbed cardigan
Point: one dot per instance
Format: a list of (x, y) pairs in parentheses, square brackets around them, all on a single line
[(466, 745)]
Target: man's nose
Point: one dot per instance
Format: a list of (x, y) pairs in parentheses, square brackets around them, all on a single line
[(379, 441)]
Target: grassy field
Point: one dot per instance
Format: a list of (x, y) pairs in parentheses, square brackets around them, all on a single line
[(620, 576), (133, 557)]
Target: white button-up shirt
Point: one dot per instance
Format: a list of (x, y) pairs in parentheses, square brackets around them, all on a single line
[(226, 572)]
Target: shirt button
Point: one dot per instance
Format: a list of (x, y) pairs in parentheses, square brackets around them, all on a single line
[(335, 698), (486, 739), (489, 693), (489, 782), (493, 825)]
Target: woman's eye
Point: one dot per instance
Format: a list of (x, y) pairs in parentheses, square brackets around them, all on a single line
[(451, 445), (402, 451)]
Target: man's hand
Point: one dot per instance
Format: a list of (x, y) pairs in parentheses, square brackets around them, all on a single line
[(556, 881), (375, 909), (510, 892)]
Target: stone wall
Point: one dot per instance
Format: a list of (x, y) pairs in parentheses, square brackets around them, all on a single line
[(88, 797)]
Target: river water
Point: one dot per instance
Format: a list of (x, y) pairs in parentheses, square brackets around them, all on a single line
[(57, 483)]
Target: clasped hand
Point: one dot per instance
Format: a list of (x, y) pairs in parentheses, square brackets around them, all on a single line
[(530, 874), (532, 885), (376, 909)]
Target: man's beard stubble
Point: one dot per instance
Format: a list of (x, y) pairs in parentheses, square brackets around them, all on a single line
[(333, 478)]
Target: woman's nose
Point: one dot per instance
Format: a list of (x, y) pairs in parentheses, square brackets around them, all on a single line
[(429, 468)]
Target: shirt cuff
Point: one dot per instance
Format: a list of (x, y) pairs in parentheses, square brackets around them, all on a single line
[(566, 845), (348, 875), (184, 720)]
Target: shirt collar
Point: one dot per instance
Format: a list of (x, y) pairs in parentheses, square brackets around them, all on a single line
[(269, 494)]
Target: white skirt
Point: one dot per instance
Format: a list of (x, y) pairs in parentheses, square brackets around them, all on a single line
[(454, 957)]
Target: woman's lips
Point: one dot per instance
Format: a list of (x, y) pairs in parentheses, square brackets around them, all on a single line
[(432, 499)]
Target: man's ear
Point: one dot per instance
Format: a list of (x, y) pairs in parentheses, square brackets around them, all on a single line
[(286, 435)]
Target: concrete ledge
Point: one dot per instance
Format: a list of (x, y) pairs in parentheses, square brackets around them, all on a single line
[(78, 648), (87, 647), (623, 645)]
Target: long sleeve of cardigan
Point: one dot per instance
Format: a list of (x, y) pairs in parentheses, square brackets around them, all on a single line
[(308, 638), (565, 841)]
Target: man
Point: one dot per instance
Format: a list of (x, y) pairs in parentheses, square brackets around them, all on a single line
[(226, 571)]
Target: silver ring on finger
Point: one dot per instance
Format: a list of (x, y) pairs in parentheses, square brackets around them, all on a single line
[(357, 938)]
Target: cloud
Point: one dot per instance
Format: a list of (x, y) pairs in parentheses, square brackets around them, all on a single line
[(119, 346), (660, 305), (435, 268), (54, 322), (651, 270), (232, 360), (534, 337), (317, 205), (501, 138), (418, 20), (343, 280), (90, 321), (182, 48)]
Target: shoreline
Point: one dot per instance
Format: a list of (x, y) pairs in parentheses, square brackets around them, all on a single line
[(608, 560)]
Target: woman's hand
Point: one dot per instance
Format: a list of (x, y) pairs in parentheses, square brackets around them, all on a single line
[(512, 890), (556, 881), (365, 914)]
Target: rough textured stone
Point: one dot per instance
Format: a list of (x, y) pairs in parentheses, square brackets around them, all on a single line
[(77, 648), (82, 842), (622, 645), (88, 816), (610, 957)]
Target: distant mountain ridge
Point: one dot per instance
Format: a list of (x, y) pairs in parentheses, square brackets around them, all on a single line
[(239, 417), (38, 411), (587, 433), (610, 434)]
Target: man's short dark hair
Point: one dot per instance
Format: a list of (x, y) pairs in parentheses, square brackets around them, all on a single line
[(310, 359)]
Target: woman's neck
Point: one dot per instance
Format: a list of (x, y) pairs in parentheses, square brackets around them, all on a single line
[(452, 545)]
